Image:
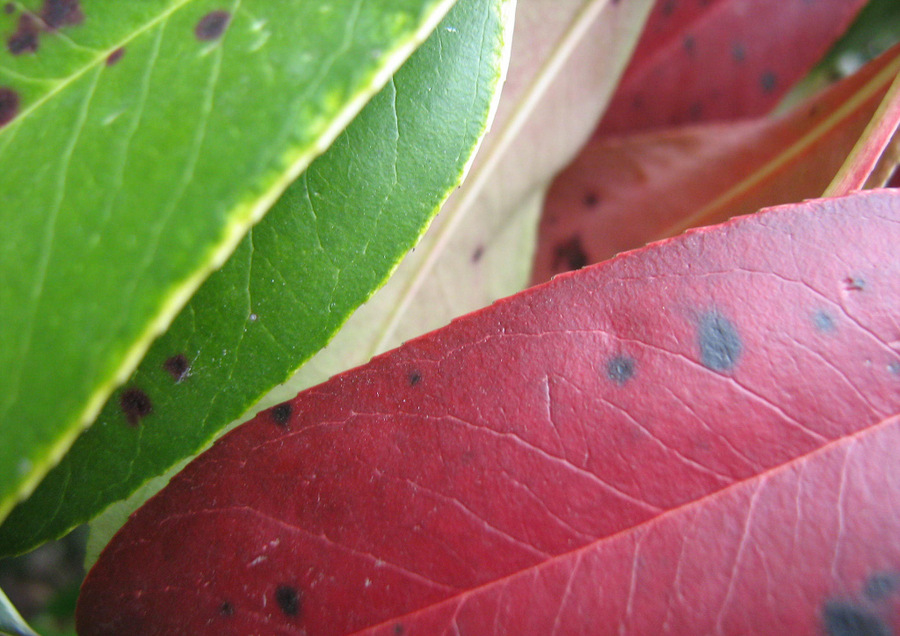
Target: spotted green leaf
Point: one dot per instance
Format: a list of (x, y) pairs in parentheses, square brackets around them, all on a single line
[(141, 140), (331, 239)]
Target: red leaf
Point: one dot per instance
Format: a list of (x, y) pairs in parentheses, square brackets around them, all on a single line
[(722, 59), (693, 435), (621, 193)]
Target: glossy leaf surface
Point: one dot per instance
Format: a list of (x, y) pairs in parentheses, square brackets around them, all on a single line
[(135, 151), (331, 239), (566, 60), (622, 192), (647, 444), (723, 59)]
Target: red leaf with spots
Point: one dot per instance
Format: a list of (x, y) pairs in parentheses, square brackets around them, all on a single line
[(712, 60), (692, 437), (622, 192)]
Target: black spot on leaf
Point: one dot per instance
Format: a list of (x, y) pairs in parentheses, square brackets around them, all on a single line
[(668, 7), (843, 618), (60, 13), (854, 283), (569, 255), (9, 105), (398, 629), (115, 56), (689, 44), (415, 377), (768, 81), (881, 585), (478, 253), (212, 25), (695, 112), (26, 37), (288, 599), (620, 369), (823, 321), (720, 345), (177, 366), (282, 413), (738, 54), (591, 199), (136, 405), (9, 7), (226, 609)]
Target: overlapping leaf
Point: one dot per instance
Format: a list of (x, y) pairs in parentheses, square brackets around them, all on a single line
[(653, 443), (330, 240), (480, 247), (139, 141), (723, 59), (622, 192), (566, 60)]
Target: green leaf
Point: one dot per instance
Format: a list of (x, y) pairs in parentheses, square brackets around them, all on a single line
[(11, 622), (141, 140), (332, 238), (564, 67)]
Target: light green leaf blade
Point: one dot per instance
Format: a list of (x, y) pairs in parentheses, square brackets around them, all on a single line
[(11, 622), (333, 237), (144, 139), (565, 63)]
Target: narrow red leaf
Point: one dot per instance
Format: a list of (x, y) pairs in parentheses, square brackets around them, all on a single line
[(872, 146), (722, 59), (663, 427), (622, 192)]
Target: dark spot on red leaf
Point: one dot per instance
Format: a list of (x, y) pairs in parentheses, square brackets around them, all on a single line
[(415, 377), (720, 345), (569, 255), (637, 102), (738, 54), (881, 585), (282, 413), (136, 405), (843, 618), (620, 369), (695, 112), (689, 44), (478, 253), (591, 199), (212, 25), (25, 39), (9, 7), (60, 13), (288, 599), (398, 629), (177, 366), (115, 56), (768, 81), (668, 7), (823, 321), (894, 367), (854, 283), (9, 105), (226, 609)]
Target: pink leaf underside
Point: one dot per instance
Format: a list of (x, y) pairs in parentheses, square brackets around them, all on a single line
[(708, 60), (694, 436), (622, 192)]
